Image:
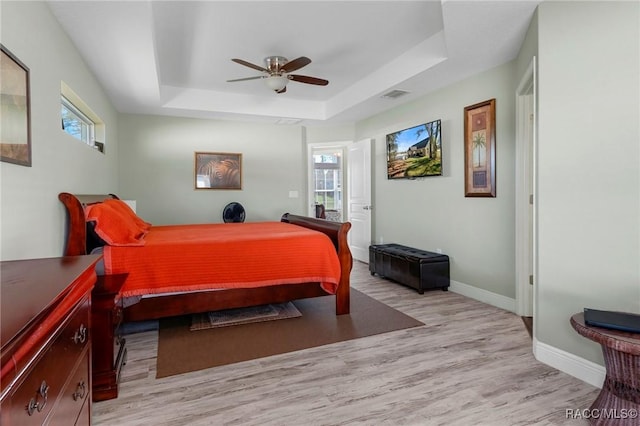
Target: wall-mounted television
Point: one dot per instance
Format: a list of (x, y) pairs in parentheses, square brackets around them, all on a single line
[(415, 152)]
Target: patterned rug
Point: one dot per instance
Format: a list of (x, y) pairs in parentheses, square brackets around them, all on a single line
[(229, 317)]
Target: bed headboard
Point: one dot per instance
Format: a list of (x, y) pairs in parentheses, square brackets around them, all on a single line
[(76, 241)]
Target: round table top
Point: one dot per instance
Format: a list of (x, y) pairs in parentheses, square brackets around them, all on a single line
[(619, 340)]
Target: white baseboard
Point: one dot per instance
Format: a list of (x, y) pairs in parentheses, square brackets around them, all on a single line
[(583, 369), (493, 299)]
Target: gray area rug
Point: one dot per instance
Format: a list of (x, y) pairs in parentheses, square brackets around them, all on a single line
[(229, 317)]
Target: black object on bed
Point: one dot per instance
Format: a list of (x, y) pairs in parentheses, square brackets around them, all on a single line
[(614, 320)]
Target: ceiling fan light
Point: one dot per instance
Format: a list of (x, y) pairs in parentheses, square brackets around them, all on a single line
[(276, 82)]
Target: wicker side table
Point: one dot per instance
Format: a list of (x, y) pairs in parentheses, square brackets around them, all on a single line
[(618, 403)]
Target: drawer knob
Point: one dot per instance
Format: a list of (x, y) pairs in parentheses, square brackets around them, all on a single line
[(41, 393), (81, 334), (81, 391)]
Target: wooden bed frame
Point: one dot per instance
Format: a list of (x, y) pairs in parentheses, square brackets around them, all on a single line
[(203, 301)]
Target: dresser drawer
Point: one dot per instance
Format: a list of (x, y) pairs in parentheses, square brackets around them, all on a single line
[(72, 400), (75, 335), (43, 384)]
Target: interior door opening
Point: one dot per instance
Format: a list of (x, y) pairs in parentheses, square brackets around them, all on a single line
[(327, 173), (526, 221), (339, 180)]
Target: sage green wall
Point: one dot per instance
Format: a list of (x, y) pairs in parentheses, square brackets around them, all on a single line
[(329, 133), (157, 158), (432, 213), (588, 165), (32, 219)]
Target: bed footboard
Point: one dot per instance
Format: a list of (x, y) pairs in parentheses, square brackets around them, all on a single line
[(337, 232)]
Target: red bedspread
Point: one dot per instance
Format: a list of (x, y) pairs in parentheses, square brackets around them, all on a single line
[(230, 255)]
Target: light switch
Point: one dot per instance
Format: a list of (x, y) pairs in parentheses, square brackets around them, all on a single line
[(293, 194)]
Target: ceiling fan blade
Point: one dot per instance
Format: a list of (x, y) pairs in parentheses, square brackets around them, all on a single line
[(308, 80), (250, 65), (296, 64), (244, 79)]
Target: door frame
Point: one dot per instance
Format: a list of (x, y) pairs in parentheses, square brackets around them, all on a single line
[(341, 145), (526, 178)]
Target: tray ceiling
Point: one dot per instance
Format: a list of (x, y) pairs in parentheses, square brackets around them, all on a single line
[(174, 57)]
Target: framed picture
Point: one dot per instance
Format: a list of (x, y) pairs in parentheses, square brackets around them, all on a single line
[(15, 116), (480, 149), (218, 170)]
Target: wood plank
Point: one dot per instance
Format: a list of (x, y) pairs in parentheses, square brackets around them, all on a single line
[(471, 364)]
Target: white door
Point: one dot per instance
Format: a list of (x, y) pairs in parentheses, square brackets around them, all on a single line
[(525, 193), (359, 198)]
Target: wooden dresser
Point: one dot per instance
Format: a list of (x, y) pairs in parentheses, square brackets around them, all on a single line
[(45, 341)]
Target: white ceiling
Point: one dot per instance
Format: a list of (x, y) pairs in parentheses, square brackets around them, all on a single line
[(174, 57)]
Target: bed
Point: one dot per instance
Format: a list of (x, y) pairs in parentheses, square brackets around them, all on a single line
[(271, 282)]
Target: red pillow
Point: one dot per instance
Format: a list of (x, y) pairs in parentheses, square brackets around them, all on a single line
[(114, 227), (124, 208)]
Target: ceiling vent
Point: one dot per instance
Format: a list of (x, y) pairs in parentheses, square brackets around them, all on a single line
[(288, 121), (394, 94)]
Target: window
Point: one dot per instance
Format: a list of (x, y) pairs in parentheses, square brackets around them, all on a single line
[(328, 178), (79, 121), (75, 123)]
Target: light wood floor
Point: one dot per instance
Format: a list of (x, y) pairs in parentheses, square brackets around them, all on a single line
[(471, 364)]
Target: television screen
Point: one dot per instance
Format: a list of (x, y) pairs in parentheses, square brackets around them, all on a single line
[(415, 152)]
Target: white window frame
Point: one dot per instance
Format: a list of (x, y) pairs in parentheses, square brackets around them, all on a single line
[(315, 148), (90, 137), (96, 129)]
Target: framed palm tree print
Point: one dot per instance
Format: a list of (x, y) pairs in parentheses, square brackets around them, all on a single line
[(480, 149)]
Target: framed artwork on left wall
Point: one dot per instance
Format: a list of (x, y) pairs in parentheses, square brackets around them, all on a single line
[(15, 115), (218, 170)]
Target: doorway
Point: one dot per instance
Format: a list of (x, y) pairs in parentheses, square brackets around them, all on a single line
[(526, 219), (339, 180), (326, 181)]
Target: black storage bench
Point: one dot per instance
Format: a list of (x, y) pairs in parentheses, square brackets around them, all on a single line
[(420, 269)]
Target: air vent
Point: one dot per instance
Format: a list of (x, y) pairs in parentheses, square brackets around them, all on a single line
[(394, 94), (288, 121)]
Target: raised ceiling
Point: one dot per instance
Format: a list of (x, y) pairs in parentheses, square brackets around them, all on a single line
[(174, 57)]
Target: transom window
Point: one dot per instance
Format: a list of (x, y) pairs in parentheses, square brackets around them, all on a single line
[(79, 121), (77, 124)]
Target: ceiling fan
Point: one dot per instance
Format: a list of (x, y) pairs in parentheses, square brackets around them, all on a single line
[(276, 72)]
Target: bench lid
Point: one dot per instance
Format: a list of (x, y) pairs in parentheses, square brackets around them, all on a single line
[(410, 253)]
